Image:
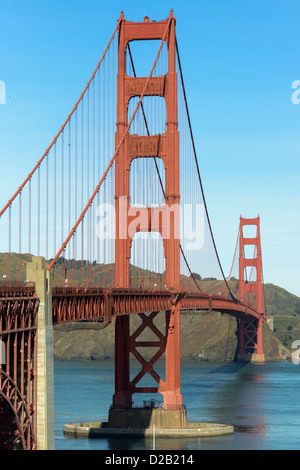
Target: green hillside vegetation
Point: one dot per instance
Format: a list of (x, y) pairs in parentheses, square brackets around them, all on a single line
[(278, 300), (283, 306), (287, 329), (74, 272), (281, 302)]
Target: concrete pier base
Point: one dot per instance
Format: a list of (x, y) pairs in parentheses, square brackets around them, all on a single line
[(147, 417), (254, 357), (101, 429), (141, 422)]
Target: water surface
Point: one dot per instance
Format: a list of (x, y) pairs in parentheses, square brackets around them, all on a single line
[(261, 401)]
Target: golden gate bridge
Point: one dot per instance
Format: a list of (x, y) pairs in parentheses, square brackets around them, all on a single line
[(112, 221)]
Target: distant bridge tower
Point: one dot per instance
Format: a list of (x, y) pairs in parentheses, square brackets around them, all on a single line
[(251, 292)]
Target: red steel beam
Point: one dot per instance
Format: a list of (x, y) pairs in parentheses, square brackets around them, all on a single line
[(77, 304), (18, 324)]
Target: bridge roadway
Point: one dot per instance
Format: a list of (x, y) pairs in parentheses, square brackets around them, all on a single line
[(78, 303)]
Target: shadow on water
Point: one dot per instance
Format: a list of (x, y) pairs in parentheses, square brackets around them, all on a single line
[(228, 369), (241, 402), (232, 393), (258, 430), (221, 373)]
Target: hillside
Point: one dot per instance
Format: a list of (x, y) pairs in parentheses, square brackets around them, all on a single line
[(284, 310), (280, 302), (205, 337)]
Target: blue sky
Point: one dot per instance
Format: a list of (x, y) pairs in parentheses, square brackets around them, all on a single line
[(239, 60)]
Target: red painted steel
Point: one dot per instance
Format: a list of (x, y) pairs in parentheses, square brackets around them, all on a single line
[(18, 324), (139, 147), (250, 330), (254, 286), (72, 304)]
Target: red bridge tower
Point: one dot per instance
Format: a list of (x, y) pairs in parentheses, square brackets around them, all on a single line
[(166, 147), (251, 292)]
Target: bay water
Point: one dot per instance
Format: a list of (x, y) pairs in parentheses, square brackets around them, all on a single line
[(261, 401)]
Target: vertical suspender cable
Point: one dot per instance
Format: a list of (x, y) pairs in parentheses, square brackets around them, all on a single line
[(80, 219), (39, 208), (29, 220), (197, 166)]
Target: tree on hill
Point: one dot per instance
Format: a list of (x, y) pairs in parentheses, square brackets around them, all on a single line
[(196, 276), (297, 307)]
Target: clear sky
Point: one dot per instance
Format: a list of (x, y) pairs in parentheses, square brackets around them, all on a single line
[(239, 61)]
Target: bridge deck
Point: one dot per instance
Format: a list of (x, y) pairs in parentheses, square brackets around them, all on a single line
[(75, 304), (79, 303)]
